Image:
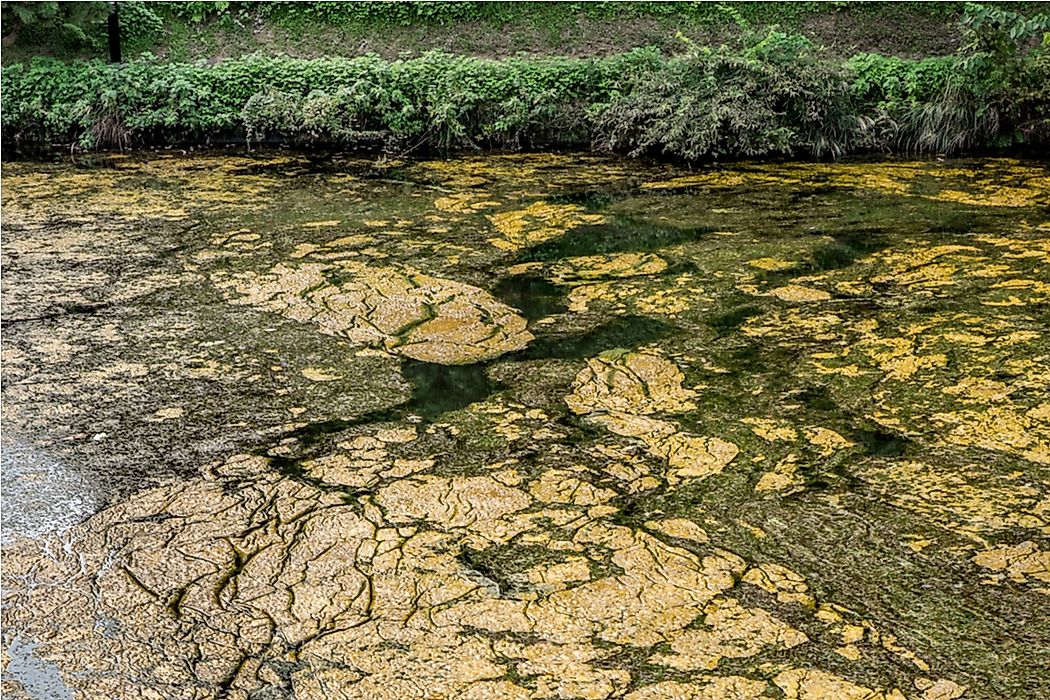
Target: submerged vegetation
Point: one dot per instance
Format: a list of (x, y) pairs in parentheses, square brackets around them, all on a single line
[(529, 426), (767, 94)]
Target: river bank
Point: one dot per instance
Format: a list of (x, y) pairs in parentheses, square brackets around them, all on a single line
[(767, 94)]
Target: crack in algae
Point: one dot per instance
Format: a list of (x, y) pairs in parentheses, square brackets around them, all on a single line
[(618, 508), (619, 390), (405, 311), (370, 596)]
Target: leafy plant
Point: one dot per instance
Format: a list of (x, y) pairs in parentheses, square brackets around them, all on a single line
[(75, 23), (139, 24), (772, 93), (1005, 61)]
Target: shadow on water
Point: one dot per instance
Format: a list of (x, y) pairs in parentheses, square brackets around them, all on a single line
[(818, 398), (730, 320), (846, 249), (535, 297), (620, 332), (880, 443), (842, 251), (956, 223), (620, 236), (593, 199), (436, 389)]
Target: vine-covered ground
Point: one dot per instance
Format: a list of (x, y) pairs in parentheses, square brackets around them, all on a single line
[(529, 426), (190, 31)]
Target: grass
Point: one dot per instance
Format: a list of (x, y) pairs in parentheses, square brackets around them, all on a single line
[(506, 29)]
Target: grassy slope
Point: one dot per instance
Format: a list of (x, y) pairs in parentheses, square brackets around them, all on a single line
[(561, 31), (567, 29)]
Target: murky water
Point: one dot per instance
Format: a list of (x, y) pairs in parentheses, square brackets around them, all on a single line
[(525, 427)]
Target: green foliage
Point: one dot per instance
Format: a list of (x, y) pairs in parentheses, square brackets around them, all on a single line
[(178, 30), (197, 12), (774, 95), (374, 13), (921, 105), (1000, 35), (81, 26), (995, 92), (436, 100), (414, 12), (771, 94), (140, 25), (1006, 61), (74, 24)]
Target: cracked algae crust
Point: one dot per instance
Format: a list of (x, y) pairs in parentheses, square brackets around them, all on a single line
[(248, 579), (620, 390), (630, 382), (402, 310), (645, 522)]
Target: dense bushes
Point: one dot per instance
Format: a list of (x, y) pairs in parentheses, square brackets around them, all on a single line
[(997, 92), (773, 94), (777, 94), (437, 100)]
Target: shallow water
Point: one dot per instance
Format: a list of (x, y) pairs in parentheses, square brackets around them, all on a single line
[(545, 426)]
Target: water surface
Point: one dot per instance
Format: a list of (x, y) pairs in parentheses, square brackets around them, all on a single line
[(547, 426)]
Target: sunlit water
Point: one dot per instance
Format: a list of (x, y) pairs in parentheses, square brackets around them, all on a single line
[(525, 427)]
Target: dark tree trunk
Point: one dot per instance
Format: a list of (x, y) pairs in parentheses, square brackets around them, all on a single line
[(114, 35)]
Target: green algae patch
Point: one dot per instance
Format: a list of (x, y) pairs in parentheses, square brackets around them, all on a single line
[(524, 427), (998, 182), (537, 223)]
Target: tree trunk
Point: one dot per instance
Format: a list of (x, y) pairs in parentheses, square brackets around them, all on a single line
[(114, 35)]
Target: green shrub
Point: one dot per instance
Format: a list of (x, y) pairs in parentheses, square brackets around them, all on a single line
[(774, 94), (1006, 59), (995, 92), (921, 105), (139, 24)]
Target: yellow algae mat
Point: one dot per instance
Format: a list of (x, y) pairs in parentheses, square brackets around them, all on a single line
[(525, 427)]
